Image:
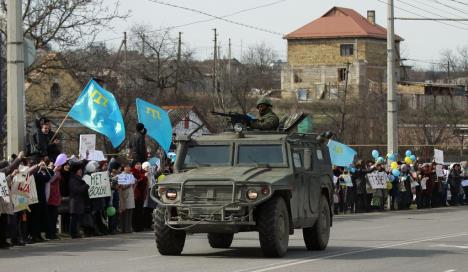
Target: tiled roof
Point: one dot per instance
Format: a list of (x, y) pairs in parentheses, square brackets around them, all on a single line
[(340, 23)]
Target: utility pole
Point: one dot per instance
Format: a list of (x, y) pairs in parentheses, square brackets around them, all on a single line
[(215, 60), (16, 128), (143, 41), (392, 126), (448, 71), (343, 114), (229, 64), (179, 46)]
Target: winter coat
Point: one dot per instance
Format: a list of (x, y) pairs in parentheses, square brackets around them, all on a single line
[(455, 179), (54, 196), (42, 178), (137, 147), (78, 194), (141, 184), (267, 121)]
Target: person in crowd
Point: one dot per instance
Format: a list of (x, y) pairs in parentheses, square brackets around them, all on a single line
[(95, 207), (137, 144), (43, 142), (454, 180), (267, 120), (404, 188), (126, 183), (55, 198), (464, 174), (150, 204), (426, 177), (173, 144), (39, 213), (379, 195), (140, 192), (64, 206), (359, 178), (6, 209), (114, 171), (78, 190)]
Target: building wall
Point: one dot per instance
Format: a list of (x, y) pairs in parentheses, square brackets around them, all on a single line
[(184, 128), (313, 64)]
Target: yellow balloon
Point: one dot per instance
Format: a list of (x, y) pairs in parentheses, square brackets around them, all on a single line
[(161, 178), (394, 165), (408, 160)]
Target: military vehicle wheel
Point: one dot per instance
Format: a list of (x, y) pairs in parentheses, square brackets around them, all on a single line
[(273, 227), (316, 237), (220, 240), (168, 241)]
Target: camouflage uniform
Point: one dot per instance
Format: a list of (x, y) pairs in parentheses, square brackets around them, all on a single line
[(267, 121)]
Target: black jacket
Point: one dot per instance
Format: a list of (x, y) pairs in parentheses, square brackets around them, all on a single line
[(137, 146), (78, 194)]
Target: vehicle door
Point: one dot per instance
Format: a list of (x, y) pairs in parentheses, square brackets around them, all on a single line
[(299, 203)]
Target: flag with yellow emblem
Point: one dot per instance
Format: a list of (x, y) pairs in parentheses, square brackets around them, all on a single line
[(156, 121), (341, 154), (97, 109)]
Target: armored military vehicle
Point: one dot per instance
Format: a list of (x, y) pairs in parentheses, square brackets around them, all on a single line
[(269, 182)]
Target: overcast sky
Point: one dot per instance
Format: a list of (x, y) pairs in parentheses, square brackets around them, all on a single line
[(424, 40)]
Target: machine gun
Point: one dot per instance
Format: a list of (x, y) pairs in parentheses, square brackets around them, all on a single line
[(235, 118)]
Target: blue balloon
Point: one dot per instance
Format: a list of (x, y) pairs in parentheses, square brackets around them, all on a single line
[(380, 159), (413, 157), (408, 153), (391, 157), (375, 154), (396, 172), (352, 170)]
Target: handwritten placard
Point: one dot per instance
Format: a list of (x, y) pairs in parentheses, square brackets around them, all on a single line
[(378, 180), (99, 184)]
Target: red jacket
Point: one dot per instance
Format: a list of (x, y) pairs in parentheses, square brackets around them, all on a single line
[(141, 184), (54, 197)]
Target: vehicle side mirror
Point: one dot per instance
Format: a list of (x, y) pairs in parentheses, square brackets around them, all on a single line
[(307, 159)]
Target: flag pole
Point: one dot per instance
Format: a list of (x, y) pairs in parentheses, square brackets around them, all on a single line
[(61, 124)]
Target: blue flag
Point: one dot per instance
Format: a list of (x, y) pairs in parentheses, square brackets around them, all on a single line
[(341, 154), (157, 123), (98, 110)]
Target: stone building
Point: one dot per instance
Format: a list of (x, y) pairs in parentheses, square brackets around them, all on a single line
[(340, 46)]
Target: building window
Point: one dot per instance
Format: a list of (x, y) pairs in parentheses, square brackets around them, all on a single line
[(341, 74), (55, 90), (297, 76), (346, 50)]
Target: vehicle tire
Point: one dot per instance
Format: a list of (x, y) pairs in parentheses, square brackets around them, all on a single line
[(316, 237), (273, 227), (168, 241), (220, 240)]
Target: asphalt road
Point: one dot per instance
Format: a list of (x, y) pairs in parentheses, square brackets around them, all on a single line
[(422, 240)]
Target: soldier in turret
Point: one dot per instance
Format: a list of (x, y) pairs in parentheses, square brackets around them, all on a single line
[(267, 119)]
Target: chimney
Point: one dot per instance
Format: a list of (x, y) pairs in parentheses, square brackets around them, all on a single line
[(371, 16)]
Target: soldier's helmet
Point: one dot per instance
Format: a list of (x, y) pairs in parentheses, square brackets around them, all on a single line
[(265, 101)]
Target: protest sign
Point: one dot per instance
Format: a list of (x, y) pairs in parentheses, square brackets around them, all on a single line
[(99, 184), (438, 156), (125, 179), (439, 171), (347, 180), (4, 190), (87, 143), (378, 180), (465, 183), (96, 155), (23, 191)]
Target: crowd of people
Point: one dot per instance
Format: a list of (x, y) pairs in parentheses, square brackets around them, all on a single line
[(63, 204), (424, 185)]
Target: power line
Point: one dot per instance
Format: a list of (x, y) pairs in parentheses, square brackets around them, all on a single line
[(200, 21), (459, 2), (438, 9), (420, 16), (430, 12), (450, 7), (217, 17)]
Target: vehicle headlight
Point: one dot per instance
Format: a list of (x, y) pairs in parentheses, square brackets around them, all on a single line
[(252, 194), (171, 194)]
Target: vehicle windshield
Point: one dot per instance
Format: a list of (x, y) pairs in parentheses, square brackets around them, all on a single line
[(271, 155), (207, 155)]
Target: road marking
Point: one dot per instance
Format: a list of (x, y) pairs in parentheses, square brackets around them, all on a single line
[(450, 270), (143, 258), (453, 246), (383, 246)]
